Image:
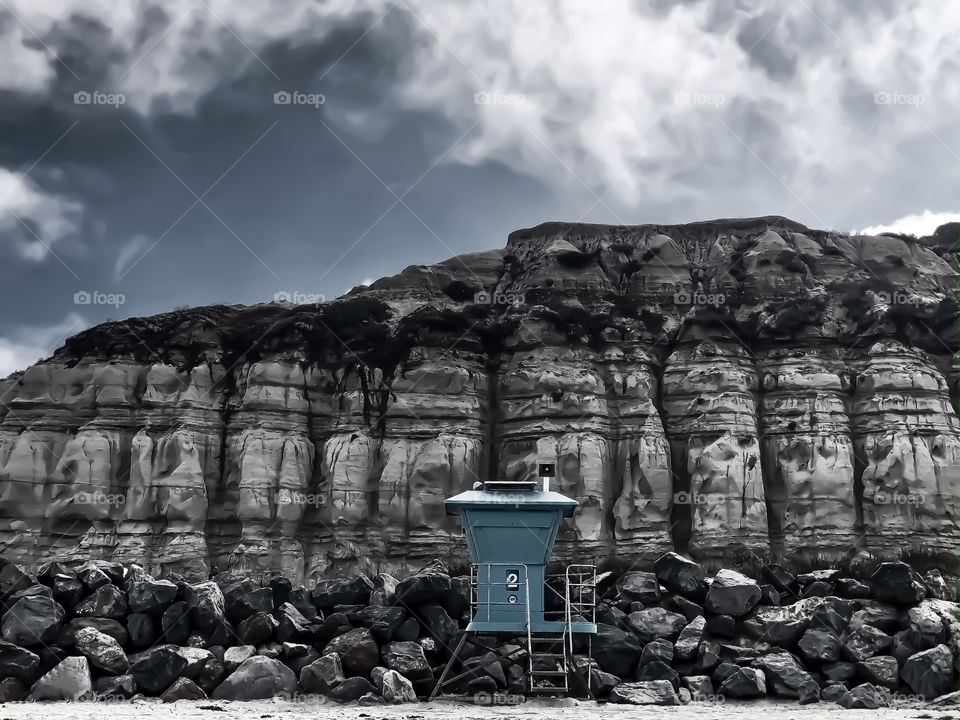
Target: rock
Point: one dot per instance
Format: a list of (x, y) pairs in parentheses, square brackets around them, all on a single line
[(689, 639), (407, 658), (352, 689), (17, 662), (617, 652), (211, 675), (322, 675), (769, 595), (839, 671), (781, 626), (819, 647), (257, 629), (102, 651), (929, 673), (708, 656), (723, 671), (926, 627), (481, 686), (107, 601), (785, 677), (196, 658), (865, 697), (243, 597), (853, 589), (660, 649), (357, 649), (827, 619), (141, 629), (744, 683), (879, 615), (92, 576), (808, 694), (680, 575), (895, 583), (864, 642), (258, 678), (68, 591), (175, 623), (155, 669), (833, 693), (68, 633), (329, 593), (31, 591), (722, 626), (935, 584), (689, 609), (409, 630), (69, 680), (270, 650), (384, 591), (656, 622), (397, 689), (292, 626), (432, 584), (146, 595), (281, 587), (700, 687), (818, 588), (183, 689), (12, 690), (301, 600), (658, 670), (731, 593), (639, 586), (33, 620), (12, 579), (880, 671), (382, 621), (782, 581), (653, 692), (439, 624), (234, 657), (332, 626), (206, 605)]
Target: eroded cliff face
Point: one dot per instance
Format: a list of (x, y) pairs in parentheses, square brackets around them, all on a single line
[(731, 388)]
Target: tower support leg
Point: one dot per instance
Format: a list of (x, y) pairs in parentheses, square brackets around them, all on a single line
[(446, 670)]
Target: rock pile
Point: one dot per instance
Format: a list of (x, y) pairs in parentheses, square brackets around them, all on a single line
[(105, 630)]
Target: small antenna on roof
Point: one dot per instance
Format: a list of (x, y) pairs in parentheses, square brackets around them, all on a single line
[(546, 471)]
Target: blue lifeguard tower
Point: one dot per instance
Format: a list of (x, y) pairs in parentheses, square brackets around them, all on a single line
[(510, 528)]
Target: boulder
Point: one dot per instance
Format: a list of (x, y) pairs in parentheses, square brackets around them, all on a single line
[(258, 678), (382, 621), (327, 594), (243, 597), (12, 579), (617, 652), (146, 595), (769, 595), (929, 673), (883, 671), (183, 689), (196, 658), (926, 627), (833, 693), (175, 623), (658, 670), (12, 690), (281, 587), (322, 675), (744, 683), (409, 630), (660, 649), (396, 689), (107, 601), (489, 665), (300, 598), (865, 697), (271, 650), (656, 622), (68, 633), (439, 624), (67, 590), (235, 657), (689, 609), (708, 656), (782, 581), (722, 626), (32, 620), (92, 576), (689, 639), (258, 628), (879, 615), (898, 584), (781, 626), (142, 630), (700, 687), (17, 662), (653, 692), (155, 669), (731, 593), (853, 589), (384, 591), (839, 671), (103, 652), (332, 626), (206, 605), (785, 677), (407, 658), (864, 642), (352, 689), (69, 680), (826, 619), (357, 649), (639, 586), (935, 584), (680, 575), (211, 675), (819, 647), (818, 588), (31, 591), (292, 626)]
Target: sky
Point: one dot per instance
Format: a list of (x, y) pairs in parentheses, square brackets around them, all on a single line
[(157, 155)]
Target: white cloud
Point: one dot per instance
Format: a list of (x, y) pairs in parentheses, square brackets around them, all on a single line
[(129, 255), (29, 344), (923, 224), (32, 220)]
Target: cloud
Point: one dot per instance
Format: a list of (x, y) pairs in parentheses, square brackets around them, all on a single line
[(923, 224), (129, 255), (26, 345), (31, 220)]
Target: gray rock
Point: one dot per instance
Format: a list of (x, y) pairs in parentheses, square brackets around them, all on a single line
[(211, 675), (699, 686), (659, 670), (352, 689), (839, 671), (196, 658), (660, 649), (382, 621), (102, 651), (896, 583), (833, 693), (785, 676), (865, 697), (439, 624), (31, 621), (879, 615), (744, 683), (243, 597), (155, 669), (654, 692), (207, 606), (67, 590), (235, 657), (146, 595), (781, 626), (107, 601), (68, 633), (142, 630), (431, 584), (864, 642), (640, 586), (292, 626), (722, 626), (616, 651), (17, 662), (175, 623), (357, 649), (927, 629), (819, 647), (69, 680), (183, 689), (384, 591), (115, 687), (656, 622), (257, 628), (929, 673), (783, 582), (854, 589), (12, 690), (322, 675), (396, 689), (327, 594), (689, 640), (407, 658), (680, 575), (880, 671), (258, 678), (731, 593)]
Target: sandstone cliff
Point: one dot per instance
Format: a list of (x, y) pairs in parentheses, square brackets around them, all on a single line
[(726, 388)]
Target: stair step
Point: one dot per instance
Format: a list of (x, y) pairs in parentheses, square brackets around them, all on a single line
[(546, 656), (549, 689), (549, 673)]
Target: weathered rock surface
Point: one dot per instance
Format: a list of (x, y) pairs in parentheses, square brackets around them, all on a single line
[(683, 378)]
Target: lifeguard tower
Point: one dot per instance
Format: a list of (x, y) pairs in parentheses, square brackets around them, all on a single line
[(510, 528)]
